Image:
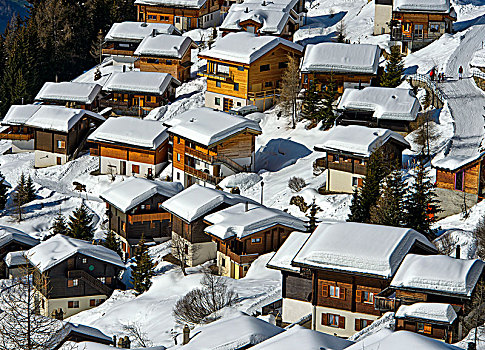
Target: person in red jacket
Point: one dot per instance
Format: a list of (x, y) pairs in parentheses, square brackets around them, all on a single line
[(431, 73), (460, 72)]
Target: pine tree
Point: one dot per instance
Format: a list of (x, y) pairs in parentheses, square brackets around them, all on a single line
[(59, 226), (390, 206), (329, 95), (420, 203), (80, 224), (366, 197), (21, 193), (312, 216), (112, 243), (392, 77), (312, 107), (3, 192), (29, 190), (18, 210), (142, 272)]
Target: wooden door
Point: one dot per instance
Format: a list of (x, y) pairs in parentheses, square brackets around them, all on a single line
[(123, 167), (228, 103)]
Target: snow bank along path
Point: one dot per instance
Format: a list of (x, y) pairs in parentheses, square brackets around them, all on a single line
[(466, 101)]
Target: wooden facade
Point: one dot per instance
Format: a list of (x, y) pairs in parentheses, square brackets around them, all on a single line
[(136, 104), (17, 132), (366, 118), (257, 83), (251, 26), (469, 178), (320, 80), (436, 330)]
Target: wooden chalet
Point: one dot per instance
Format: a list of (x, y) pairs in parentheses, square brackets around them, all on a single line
[(134, 209), (188, 209), (13, 240), (350, 264), (347, 152), (137, 93), (418, 286), (209, 145), (415, 24), (390, 108), (15, 264), (123, 38), (245, 231), (60, 133), (130, 146), (70, 94), (246, 69), (14, 128), (73, 275), (346, 65), (185, 15), (166, 54)]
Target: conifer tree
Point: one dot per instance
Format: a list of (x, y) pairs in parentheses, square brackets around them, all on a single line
[(290, 88), (312, 216), (366, 197), (392, 75), (29, 190), (59, 226), (80, 224), (420, 203), (112, 243), (311, 107), (21, 193), (142, 272), (18, 210), (3, 193), (329, 95), (390, 206)]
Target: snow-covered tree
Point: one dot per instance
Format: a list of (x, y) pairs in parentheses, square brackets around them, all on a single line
[(142, 272), (112, 243), (80, 224), (329, 95), (312, 216), (29, 190), (392, 76), (389, 207), (312, 106), (59, 225)]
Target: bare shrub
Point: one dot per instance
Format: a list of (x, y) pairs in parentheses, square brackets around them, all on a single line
[(479, 235), (136, 333), (446, 244), (296, 184)]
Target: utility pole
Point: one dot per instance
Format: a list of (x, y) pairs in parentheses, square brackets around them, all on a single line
[(262, 186)]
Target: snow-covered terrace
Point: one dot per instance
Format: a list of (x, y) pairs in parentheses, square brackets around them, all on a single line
[(172, 3), (84, 93), (453, 277), (152, 83), (163, 45), (386, 103), (137, 31), (330, 57), (129, 193), (358, 140), (244, 47), (131, 131), (359, 248), (242, 220), (282, 259), (433, 312), (207, 127)]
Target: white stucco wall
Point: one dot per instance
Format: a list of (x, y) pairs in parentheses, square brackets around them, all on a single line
[(350, 317), (340, 181), (382, 17), (198, 253), (62, 303), (107, 163), (294, 310), (43, 159)]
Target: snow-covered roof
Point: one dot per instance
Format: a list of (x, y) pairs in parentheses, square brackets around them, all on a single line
[(10, 234), (173, 3), (386, 103), (239, 331), (455, 162), (285, 5), (59, 118), (244, 47), (84, 93), (454, 276), (207, 126), (164, 45), (13, 259), (282, 259), (153, 83), (272, 17), (196, 201), (341, 58), (19, 114), (131, 131), (437, 312), (137, 31), (359, 248), (422, 6), (298, 337), (59, 248), (129, 193), (110, 65), (357, 139), (236, 221)]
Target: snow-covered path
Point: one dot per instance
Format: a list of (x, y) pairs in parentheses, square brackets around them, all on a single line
[(465, 100)]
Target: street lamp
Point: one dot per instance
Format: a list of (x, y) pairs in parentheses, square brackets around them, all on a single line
[(262, 186)]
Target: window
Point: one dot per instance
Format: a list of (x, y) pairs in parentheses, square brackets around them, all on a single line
[(333, 320), (355, 181), (223, 262), (177, 20), (367, 297), (236, 86), (186, 250), (147, 207), (153, 60), (434, 27), (238, 104), (102, 279), (73, 304), (178, 176), (223, 69), (61, 144), (305, 79), (336, 158), (418, 30), (264, 68), (152, 224), (362, 323), (95, 302), (459, 181), (255, 240), (283, 65), (178, 157), (334, 291), (268, 84), (135, 169), (218, 84), (217, 101), (85, 260), (427, 328), (123, 226), (169, 62), (72, 283), (420, 327), (407, 27), (153, 17), (240, 68)]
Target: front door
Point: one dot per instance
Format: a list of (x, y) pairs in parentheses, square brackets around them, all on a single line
[(228, 103), (122, 167)]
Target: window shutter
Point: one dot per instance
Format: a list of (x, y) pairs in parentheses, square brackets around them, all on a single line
[(342, 293), (70, 283), (358, 296), (324, 319), (324, 290), (360, 182), (341, 322), (357, 324), (92, 302)]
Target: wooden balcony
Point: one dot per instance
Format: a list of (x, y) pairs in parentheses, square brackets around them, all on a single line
[(216, 159), (346, 166), (16, 136), (145, 217), (384, 304), (258, 95), (242, 258), (217, 76), (398, 35), (115, 52), (214, 180)]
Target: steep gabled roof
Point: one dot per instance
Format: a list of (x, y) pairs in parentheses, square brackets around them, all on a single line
[(84, 93)]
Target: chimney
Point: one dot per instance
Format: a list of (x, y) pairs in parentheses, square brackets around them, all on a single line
[(458, 251), (186, 335), (154, 32), (124, 68), (246, 206), (114, 340), (247, 10)]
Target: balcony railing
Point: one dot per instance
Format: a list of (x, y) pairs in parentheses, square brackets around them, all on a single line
[(148, 217), (14, 136), (256, 95), (115, 52), (214, 180), (398, 35), (216, 75), (346, 166), (386, 304), (216, 159)]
